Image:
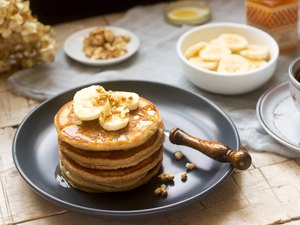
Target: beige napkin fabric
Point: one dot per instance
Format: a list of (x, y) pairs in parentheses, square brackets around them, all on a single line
[(157, 60)]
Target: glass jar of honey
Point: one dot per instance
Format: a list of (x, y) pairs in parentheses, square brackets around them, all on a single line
[(277, 17), (187, 12)]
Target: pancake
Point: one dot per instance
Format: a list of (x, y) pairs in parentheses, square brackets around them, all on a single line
[(97, 160), (143, 123), (86, 186), (108, 160), (117, 177), (121, 179)]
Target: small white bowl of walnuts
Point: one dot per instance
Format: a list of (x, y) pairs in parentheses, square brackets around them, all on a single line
[(101, 46)]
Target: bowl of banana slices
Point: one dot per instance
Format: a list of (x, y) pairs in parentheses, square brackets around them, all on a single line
[(228, 58)]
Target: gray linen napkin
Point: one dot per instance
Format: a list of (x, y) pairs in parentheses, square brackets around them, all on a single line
[(157, 60)]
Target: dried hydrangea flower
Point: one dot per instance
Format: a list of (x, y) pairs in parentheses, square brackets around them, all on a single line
[(24, 41)]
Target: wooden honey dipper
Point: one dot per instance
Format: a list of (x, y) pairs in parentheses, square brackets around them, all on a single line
[(239, 159)]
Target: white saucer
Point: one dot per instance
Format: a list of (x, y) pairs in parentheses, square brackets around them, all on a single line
[(279, 117), (74, 44)]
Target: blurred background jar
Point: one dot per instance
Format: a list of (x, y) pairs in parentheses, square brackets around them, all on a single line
[(59, 11), (277, 17)]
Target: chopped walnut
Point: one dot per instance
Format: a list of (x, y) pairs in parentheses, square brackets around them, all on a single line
[(184, 176), (178, 155), (161, 191), (190, 166), (166, 177), (157, 191), (103, 44)]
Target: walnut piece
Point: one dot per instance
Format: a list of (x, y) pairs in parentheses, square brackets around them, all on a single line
[(166, 177), (161, 191), (178, 155), (184, 176), (190, 166), (104, 44)]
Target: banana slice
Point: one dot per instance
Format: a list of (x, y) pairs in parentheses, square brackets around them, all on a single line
[(256, 52), (197, 61), (214, 41), (233, 64), (235, 42), (214, 52), (128, 99), (115, 122), (114, 118), (86, 102), (194, 49), (256, 64), (111, 108)]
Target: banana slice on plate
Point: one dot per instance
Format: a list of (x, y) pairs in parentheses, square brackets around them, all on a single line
[(199, 62), (213, 52), (86, 102), (255, 52), (233, 64), (256, 64), (235, 42), (194, 49)]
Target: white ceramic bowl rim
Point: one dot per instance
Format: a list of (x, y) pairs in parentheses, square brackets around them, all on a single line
[(236, 25)]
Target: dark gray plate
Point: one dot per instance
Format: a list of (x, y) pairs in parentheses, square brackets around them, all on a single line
[(36, 158)]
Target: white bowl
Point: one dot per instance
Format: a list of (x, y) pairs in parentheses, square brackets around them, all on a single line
[(222, 83)]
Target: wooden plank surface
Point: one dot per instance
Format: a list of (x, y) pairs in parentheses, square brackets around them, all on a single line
[(267, 193)]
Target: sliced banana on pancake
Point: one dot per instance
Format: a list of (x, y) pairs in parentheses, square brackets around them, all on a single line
[(115, 114), (113, 117), (128, 99), (233, 64), (114, 123), (214, 52), (111, 108), (255, 52), (87, 104), (235, 42)]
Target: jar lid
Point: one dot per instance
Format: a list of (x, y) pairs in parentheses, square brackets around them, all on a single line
[(187, 12)]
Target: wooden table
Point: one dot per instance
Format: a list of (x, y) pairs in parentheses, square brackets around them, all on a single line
[(267, 193)]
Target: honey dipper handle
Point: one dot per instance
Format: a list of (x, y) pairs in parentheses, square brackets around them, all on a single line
[(239, 159)]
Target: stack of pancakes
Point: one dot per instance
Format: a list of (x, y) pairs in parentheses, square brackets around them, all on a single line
[(96, 160)]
